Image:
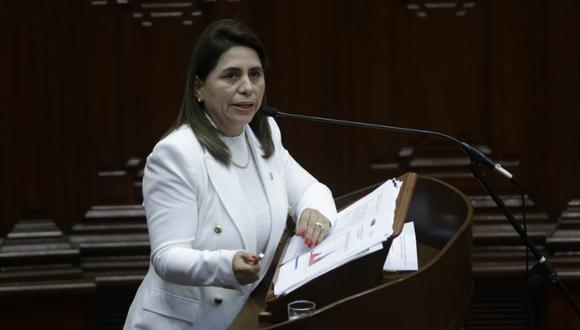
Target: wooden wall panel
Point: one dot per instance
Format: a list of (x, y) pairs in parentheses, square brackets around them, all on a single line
[(366, 90), (440, 70), (512, 35), (561, 118), (6, 195), (409, 71), (302, 45), (91, 87), (514, 94), (44, 151)]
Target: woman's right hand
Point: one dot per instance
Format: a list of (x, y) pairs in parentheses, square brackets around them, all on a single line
[(246, 267)]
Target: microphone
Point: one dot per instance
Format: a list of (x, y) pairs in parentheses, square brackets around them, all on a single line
[(473, 152)]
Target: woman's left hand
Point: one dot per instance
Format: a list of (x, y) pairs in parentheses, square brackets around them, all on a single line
[(313, 227)]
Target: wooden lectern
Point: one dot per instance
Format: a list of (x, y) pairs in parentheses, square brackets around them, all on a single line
[(434, 297)]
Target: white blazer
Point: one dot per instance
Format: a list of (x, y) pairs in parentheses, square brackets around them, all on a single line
[(195, 210)]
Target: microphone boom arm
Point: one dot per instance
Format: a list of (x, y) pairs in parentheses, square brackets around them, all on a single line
[(469, 150)]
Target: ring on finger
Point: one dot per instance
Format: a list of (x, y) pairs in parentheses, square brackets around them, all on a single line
[(318, 225)]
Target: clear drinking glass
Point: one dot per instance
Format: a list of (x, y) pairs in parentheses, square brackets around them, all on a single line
[(299, 308)]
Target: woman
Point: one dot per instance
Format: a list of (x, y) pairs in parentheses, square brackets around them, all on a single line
[(217, 191)]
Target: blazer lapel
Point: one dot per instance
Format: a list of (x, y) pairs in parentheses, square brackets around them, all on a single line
[(228, 188), (275, 190)]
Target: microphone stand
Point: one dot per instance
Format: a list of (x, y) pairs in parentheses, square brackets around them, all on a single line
[(542, 272)]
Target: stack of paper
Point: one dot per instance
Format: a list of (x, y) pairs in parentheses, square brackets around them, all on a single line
[(403, 252), (359, 229)]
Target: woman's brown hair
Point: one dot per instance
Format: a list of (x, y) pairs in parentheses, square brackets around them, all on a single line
[(216, 39)]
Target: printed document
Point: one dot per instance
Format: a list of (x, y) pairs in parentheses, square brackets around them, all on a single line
[(403, 252), (358, 230)]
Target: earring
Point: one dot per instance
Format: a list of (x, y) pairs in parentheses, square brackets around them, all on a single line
[(198, 99)]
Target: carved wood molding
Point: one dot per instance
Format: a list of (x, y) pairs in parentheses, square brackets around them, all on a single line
[(422, 8), (148, 11)]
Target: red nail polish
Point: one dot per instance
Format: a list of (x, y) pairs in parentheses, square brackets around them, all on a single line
[(307, 242), (311, 244)]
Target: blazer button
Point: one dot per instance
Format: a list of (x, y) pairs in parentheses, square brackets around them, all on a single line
[(217, 300), (217, 229)]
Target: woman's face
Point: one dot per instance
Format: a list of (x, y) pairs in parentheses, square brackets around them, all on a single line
[(233, 90)]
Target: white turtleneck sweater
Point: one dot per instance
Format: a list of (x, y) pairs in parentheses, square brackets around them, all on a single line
[(253, 187)]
